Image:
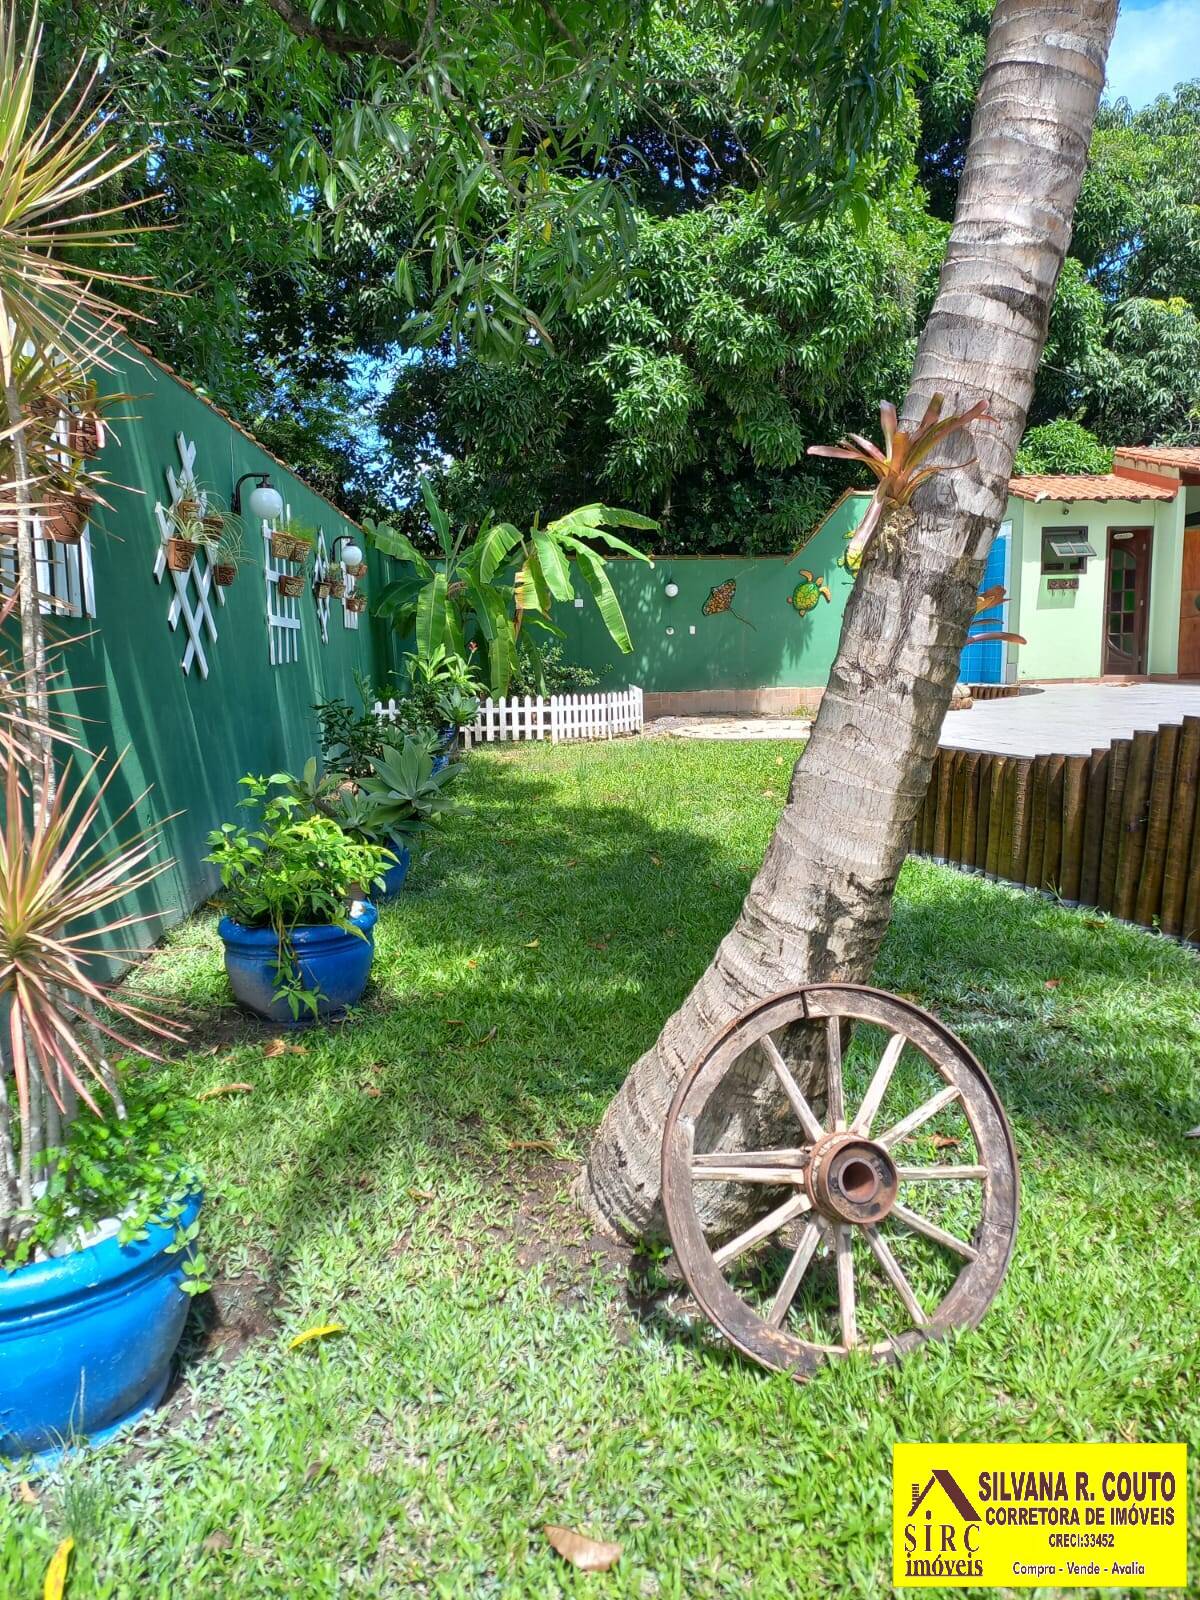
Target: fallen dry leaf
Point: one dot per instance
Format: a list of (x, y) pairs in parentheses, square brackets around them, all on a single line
[(217, 1540), (282, 1047), (455, 1022), (371, 1089), (598, 944), (26, 1495), (1053, 983), (486, 1038), (1192, 1133), (532, 944), (421, 1194), (530, 1144), (944, 1141), (657, 860), (589, 1555), (472, 963), (56, 1572), (325, 1330), (225, 1088)]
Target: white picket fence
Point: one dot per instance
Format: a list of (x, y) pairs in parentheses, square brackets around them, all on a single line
[(555, 717)]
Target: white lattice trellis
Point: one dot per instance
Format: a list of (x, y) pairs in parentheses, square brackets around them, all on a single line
[(283, 611), (64, 571), (321, 570), (349, 618), (193, 588)]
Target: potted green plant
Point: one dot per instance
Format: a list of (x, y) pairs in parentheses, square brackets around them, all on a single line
[(186, 535), (70, 500), (227, 557), (407, 792), (357, 603), (98, 1218), (298, 944)]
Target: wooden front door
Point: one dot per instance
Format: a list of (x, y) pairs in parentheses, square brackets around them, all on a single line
[(1127, 601), (1189, 606)]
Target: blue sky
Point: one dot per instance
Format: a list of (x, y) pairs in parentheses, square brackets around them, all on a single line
[(1157, 45)]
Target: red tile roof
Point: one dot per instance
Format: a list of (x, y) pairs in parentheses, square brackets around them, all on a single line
[(1088, 486), (1185, 457)]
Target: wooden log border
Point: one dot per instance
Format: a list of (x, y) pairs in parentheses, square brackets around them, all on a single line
[(1118, 829)]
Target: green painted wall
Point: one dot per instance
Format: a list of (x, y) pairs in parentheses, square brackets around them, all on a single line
[(189, 738), (1064, 629), (766, 644)]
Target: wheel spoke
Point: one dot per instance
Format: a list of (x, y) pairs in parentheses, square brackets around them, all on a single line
[(895, 1275), (808, 1117), (752, 1158), (938, 1174), (729, 1171), (762, 1229), (921, 1115), (873, 1098), (920, 1224), (845, 1283), (797, 1267), (836, 1112)]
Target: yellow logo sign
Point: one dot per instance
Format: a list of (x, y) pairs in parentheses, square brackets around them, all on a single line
[(1052, 1515)]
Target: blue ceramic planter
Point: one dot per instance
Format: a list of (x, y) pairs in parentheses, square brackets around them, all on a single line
[(445, 749), (334, 963), (86, 1340), (393, 878)]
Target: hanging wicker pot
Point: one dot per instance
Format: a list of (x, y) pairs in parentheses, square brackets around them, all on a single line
[(224, 572), (181, 553), (299, 551), (281, 545), (357, 603), (213, 523), (65, 518), (322, 589), (187, 509), (85, 436), (336, 589), (360, 571), (290, 584)]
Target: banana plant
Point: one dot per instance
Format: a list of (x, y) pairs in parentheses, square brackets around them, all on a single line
[(502, 581)]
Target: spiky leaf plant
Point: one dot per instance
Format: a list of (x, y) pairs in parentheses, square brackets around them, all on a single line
[(898, 466)]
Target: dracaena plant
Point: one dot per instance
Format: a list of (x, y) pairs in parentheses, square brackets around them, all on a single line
[(63, 878), (900, 468), (493, 589)]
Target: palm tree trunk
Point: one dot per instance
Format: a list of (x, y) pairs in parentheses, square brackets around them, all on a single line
[(820, 905)]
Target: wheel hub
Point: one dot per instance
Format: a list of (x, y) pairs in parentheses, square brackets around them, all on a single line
[(851, 1179)]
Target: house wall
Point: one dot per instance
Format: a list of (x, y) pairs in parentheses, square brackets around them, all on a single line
[(1064, 629), (188, 738)]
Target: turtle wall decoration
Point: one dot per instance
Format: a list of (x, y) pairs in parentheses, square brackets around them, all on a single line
[(807, 592)]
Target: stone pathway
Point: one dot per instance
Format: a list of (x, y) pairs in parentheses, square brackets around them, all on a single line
[(1062, 719), (731, 727)]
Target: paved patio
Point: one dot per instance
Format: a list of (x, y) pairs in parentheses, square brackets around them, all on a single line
[(1064, 719), (1069, 719)]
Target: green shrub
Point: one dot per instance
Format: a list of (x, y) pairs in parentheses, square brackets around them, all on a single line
[(1062, 446)]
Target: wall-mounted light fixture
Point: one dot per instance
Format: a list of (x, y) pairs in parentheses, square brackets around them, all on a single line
[(264, 501), (352, 555)]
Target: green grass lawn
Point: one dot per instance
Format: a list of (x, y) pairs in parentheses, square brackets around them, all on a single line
[(406, 1175)]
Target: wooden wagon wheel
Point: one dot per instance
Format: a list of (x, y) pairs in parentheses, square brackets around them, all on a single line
[(934, 1236)]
